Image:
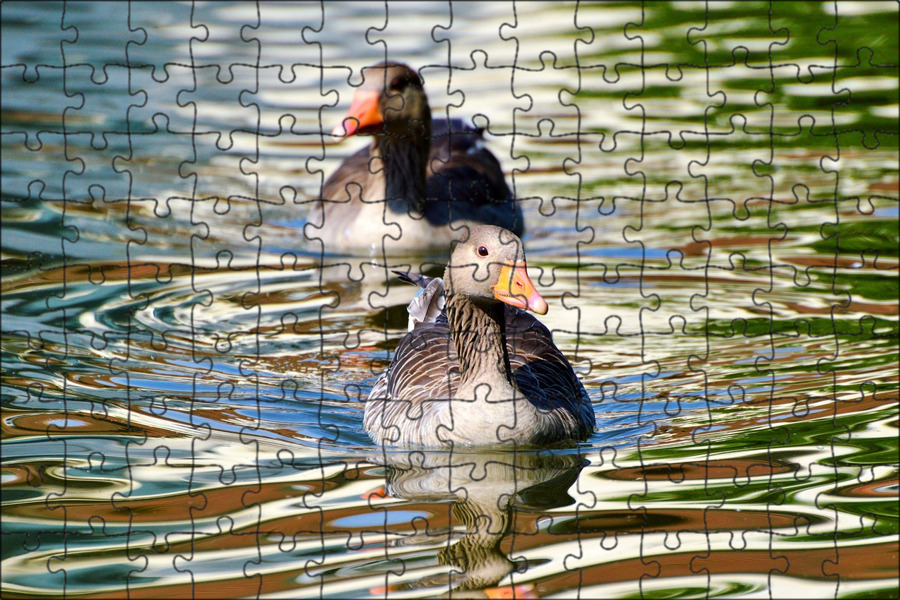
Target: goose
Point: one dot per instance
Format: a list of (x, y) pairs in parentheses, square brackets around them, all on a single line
[(476, 369), (418, 181)]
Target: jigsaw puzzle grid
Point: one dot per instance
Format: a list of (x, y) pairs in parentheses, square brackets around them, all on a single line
[(710, 195)]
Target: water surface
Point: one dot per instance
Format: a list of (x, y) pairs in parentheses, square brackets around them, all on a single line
[(711, 196)]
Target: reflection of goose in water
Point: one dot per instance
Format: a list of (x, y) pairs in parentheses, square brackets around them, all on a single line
[(485, 487)]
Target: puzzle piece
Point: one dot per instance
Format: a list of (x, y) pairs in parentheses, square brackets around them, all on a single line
[(709, 208)]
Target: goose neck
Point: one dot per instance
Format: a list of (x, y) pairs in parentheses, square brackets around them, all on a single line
[(404, 158), (479, 335)]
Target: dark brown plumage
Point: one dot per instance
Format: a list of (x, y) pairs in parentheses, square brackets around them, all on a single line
[(415, 179), (484, 372)]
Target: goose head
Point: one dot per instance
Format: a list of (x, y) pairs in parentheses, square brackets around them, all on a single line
[(488, 266), (391, 100)]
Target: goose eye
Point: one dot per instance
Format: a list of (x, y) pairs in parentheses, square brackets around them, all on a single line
[(396, 83), (482, 251)]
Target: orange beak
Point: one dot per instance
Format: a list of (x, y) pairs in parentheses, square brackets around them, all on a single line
[(362, 115), (516, 289)]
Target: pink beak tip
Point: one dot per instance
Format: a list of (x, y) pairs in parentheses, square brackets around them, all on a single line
[(340, 130), (537, 304)]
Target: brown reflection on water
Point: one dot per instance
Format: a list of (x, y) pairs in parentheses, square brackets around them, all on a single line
[(23, 423), (876, 561), (713, 469), (641, 520), (239, 586), (883, 488)]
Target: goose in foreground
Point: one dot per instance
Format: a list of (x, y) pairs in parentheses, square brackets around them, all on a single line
[(415, 179), (479, 370)]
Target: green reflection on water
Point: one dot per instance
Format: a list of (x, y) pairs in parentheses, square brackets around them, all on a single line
[(871, 235)]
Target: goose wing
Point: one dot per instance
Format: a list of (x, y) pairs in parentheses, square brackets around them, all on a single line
[(425, 369), (465, 180), (544, 375), (418, 383), (340, 191)]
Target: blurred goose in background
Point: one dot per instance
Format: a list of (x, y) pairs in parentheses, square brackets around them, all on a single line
[(418, 181), (475, 368)]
